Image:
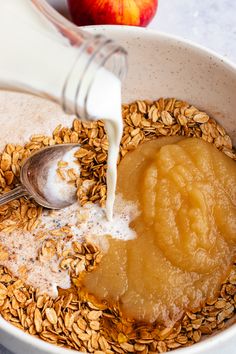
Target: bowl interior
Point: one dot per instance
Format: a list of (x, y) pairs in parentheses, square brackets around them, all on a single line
[(159, 66)]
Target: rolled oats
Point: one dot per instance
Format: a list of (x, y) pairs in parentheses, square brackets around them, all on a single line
[(72, 319)]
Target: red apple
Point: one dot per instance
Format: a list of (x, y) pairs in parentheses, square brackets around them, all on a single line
[(120, 12)]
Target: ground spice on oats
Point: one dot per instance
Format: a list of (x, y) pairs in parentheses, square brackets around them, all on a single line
[(69, 320)]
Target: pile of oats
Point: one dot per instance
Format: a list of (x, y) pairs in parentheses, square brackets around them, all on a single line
[(70, 320)]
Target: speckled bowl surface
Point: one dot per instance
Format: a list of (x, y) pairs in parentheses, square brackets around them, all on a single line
[(159, 66)]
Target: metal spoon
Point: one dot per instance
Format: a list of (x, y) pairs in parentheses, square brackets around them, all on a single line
[(34, 175)]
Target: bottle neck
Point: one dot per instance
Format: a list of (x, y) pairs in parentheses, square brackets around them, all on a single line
[(98, 52), (92, 54)]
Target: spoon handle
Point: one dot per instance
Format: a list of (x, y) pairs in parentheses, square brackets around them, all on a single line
[(11, 195)]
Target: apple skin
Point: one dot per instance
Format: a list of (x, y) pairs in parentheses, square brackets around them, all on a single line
[(118, 12)]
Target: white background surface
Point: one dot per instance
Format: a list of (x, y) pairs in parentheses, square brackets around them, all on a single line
[(211, 23)]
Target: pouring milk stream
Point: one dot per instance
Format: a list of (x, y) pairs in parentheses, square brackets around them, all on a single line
[(44, 54)]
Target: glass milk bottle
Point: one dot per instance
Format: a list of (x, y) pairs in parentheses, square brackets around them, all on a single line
[(44, 54)]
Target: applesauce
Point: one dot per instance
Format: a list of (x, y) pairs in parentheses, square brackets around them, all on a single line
[(186, 231)]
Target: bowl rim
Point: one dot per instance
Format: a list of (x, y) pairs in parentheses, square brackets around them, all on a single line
[(207, 343), (134, 30)]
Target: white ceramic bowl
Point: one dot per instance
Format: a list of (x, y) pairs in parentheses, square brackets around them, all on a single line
[(159, 65)]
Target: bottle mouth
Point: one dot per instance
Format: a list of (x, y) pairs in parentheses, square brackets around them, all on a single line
[(96, 53)]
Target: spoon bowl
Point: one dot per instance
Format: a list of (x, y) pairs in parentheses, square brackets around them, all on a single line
[(38, 179)]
